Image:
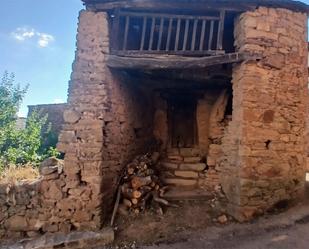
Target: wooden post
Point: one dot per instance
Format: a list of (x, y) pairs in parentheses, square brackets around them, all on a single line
[(143, 33), (220, 30), (169, 33), (160, 33), (211, 33), (115, 33), (185, 39), (202, 35), (177, 34), (124, 47), (194, 35), (153, 22)]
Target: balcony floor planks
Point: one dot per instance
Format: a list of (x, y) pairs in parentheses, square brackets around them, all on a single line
[(156, 62)]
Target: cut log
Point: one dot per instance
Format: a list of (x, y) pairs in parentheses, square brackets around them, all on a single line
[(130, 193), (134, 201), (138, 182), (127, 203), (123, 210)]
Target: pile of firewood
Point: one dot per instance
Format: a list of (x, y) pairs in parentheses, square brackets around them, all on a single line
[(140, 187)]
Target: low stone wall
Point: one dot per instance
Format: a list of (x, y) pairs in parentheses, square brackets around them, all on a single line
[(31, 208), (19, 209)]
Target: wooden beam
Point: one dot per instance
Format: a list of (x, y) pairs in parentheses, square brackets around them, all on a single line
[(147, 53), (175, 62), (165, 5), (201, 5)]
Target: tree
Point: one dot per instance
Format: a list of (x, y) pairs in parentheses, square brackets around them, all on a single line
[(17, 146)]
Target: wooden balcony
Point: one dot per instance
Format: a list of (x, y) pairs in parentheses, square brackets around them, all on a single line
[(144, 40), (136, 33)]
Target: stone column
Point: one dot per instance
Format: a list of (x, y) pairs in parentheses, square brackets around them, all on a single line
[(264, 146), (82, 137), (108, 122)]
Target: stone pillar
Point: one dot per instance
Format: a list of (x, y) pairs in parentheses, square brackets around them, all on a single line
[(82, 137), (264, 145), (108, 122)]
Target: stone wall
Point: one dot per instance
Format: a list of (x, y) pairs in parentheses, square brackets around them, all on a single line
[(106, 123), (29, 208), (54, 112), (264, 145)]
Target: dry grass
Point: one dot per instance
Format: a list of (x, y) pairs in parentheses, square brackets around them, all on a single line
[(16, 173)]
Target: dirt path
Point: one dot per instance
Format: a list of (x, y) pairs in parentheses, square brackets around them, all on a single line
[(294, 237)]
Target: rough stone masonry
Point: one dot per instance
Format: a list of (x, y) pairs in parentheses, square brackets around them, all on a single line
[(259, 159)]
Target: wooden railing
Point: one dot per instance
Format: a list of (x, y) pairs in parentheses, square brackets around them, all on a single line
[(146, 33)]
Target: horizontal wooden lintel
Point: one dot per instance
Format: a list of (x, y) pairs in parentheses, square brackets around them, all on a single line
[(175, 62)]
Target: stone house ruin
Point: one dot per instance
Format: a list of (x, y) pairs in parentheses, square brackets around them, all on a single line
[(222, 80), (54, 122), (220, 85)]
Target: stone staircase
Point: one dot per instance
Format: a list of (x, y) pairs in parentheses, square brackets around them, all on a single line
[(181, 170)]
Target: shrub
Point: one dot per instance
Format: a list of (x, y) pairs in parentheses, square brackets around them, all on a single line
[(19, 146)]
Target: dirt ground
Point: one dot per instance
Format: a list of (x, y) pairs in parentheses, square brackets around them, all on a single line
[(173, 225), (194, 225)]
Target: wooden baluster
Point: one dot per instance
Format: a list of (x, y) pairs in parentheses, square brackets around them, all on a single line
[(169, 33), (115, 35), (211, 33), (220, 30), (153, 22), (126, 33), (143, 33), (194, 35), (160, 33), (202, 35), (177, 34), (185, 39)]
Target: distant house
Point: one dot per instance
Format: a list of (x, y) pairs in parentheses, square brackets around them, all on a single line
[(54, 122), (21, 123)]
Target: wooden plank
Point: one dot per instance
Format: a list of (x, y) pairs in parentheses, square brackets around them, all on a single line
[(153, 22), (194, 35), (175, 62), (124, 46), (160, 33), (211, 34), (220, 30), (169, 33), (143, 33), (185, 39), (202, 35), (175, 16), (175, 5), (177, 34), (138, 53)]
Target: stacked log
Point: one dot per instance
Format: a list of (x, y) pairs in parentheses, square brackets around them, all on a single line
[(140, 187)]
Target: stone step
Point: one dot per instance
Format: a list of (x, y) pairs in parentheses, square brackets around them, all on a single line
[(192, 166), (178, 194), (189, 152), (182, 166), (175, 158), (180, 182), (169, 165), (184, 152), (186, 174), (195, 159)]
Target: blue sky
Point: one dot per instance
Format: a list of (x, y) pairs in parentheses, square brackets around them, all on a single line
[(37, 43)]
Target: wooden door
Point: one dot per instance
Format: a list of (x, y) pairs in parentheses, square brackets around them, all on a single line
[(183, 122)]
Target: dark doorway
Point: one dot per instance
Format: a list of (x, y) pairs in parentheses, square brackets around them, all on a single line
[(183, 121)]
